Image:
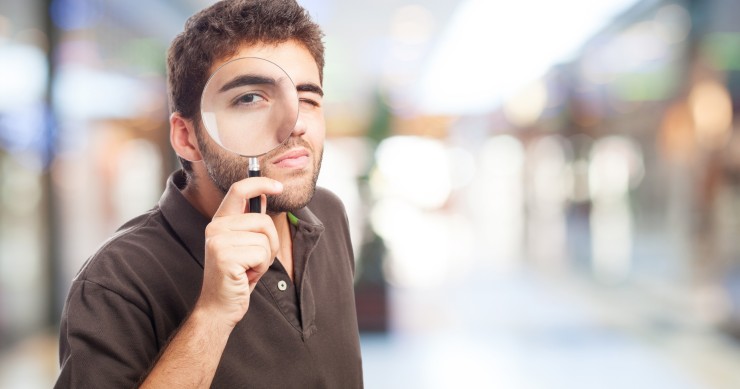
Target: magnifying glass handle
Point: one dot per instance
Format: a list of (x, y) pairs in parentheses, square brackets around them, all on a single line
[(255, 203)]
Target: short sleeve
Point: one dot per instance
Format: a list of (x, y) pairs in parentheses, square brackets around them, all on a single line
[(105, 340)]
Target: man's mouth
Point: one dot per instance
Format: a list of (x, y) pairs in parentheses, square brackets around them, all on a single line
[(292, 159)]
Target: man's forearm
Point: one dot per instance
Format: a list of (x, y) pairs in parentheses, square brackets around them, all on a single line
[(192, 355)]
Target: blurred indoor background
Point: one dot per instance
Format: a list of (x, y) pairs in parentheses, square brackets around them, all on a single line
[(543, 194)]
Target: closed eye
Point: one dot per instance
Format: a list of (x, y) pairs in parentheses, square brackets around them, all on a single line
[(310, 95), (309, 101)]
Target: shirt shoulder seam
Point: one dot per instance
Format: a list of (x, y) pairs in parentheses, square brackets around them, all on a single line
[(106, 288)]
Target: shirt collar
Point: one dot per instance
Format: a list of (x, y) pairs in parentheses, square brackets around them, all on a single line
[(187, 222)]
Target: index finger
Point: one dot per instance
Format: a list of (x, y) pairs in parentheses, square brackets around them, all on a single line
[(235, 200)]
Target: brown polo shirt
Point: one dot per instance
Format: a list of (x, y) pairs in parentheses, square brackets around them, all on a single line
[(130, 297)]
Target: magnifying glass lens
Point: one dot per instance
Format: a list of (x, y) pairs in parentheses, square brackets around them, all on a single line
[(249, 106)]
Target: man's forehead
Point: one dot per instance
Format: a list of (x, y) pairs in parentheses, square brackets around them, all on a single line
[(284, 54)]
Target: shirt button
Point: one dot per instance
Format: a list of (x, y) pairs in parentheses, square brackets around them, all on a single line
[(282, 285)]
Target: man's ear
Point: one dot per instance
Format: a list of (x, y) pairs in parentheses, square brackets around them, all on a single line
[(183, 139)]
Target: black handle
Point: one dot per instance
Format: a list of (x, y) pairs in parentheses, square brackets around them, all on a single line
[(255, 203)]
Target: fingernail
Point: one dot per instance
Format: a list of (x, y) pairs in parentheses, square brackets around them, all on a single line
[(278, 185)]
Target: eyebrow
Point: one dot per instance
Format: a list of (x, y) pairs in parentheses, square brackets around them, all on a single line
[(247, 79), (309, 87)]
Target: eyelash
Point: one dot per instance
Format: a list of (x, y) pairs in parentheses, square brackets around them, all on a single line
[(238, 99), (310, 101)]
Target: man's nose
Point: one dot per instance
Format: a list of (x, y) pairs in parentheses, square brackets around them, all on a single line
[(300, 127)]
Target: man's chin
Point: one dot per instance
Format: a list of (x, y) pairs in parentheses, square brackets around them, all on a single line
[(290, 200)]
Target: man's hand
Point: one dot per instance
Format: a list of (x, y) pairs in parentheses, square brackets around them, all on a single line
[(240, 247)]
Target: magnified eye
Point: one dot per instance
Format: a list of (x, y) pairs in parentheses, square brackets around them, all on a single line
[(247, 99)]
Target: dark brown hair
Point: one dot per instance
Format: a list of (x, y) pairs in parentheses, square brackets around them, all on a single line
[(218, 31)]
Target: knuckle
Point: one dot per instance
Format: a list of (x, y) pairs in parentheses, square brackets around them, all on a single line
[(236, 188), (268, 257), (213, 241), (211, 244), (241, 188), (213, 228), (215, 246)]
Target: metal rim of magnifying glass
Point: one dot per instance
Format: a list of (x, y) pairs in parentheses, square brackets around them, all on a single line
[(208, 81)]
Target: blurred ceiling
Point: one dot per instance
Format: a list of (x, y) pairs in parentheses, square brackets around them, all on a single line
[(409, 51), (366, 41)]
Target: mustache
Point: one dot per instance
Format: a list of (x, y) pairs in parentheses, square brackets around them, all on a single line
[(292, 142)]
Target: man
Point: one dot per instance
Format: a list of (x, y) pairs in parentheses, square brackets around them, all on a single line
[(198, 293)]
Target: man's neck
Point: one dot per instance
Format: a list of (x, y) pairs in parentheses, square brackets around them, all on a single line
[(285, 252), (203, 197)]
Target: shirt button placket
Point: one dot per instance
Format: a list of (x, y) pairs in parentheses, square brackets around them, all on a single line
[(282, 285)]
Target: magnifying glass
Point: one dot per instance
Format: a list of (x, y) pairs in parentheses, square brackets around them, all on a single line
[(249, 107)]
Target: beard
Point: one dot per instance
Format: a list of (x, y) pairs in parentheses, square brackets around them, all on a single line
[(225, 168)]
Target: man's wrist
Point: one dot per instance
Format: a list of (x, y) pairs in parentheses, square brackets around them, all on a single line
[(204, 318)]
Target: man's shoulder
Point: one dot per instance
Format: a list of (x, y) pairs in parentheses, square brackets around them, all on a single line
[(132, 249), (324, 199), (330, 210), (328, 207)]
